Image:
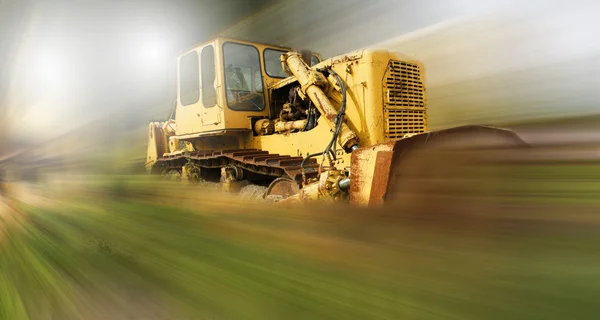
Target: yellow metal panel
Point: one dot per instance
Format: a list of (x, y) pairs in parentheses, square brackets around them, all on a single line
[(196, 118), (299, 143)]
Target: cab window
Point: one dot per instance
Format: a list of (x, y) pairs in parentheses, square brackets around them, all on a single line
[(242, 85), (209, 93), (189, 79), (314, 60), (273, 63)]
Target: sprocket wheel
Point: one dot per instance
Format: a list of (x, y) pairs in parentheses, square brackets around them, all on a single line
[(280, 189)]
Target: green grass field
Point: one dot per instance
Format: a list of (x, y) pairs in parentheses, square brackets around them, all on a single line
[(123, 249)]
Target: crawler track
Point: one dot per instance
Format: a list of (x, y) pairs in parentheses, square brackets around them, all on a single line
[(257, 162)]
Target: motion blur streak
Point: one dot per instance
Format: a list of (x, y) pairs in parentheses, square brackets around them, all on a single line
[(486, 61), (83, 235), (125, 248)]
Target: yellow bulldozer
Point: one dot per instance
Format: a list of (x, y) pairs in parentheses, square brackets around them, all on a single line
[(340, 129)]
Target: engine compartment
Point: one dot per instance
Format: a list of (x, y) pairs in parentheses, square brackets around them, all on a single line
[(291, 111)]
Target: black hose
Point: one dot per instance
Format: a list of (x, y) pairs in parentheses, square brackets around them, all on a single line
[(312, 118), (339, 118), (304, 160), (308, 157)]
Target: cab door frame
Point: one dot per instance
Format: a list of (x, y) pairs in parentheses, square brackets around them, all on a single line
[(196, 117), (212, 114)]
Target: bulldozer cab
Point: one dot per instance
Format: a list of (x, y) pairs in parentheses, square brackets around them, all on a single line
[(221, 85)]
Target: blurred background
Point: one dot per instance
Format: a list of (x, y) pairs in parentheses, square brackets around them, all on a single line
[(80, 80), (79, 75)]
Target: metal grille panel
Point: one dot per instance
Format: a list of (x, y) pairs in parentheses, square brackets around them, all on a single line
[(404, 100)]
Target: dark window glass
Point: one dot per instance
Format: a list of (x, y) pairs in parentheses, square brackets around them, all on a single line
[(273, 63), (189, 79), (314, 60), (209, 93), (243, 80)]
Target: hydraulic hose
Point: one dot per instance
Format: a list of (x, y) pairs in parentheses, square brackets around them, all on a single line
[(304, 161), (312, 119), (339, 119), (312, 84)]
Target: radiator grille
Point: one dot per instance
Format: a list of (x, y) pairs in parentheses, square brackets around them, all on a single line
[(404, 100)]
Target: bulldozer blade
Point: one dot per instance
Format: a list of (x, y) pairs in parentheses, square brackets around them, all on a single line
[(384, 173)]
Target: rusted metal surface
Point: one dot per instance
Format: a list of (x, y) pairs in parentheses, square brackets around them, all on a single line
[(313, 82), (438, 153), (325, 188), (378, 173), (282, 83), (282, 188), (369, 173), (329, 115), (253, 160), (286, 126), (351, 56), (329, 187)]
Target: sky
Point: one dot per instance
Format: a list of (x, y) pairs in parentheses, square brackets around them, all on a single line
[(70, 62), (67, 63), (491, 62)]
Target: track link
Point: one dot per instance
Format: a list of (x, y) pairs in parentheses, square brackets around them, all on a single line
[(252, 160)]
